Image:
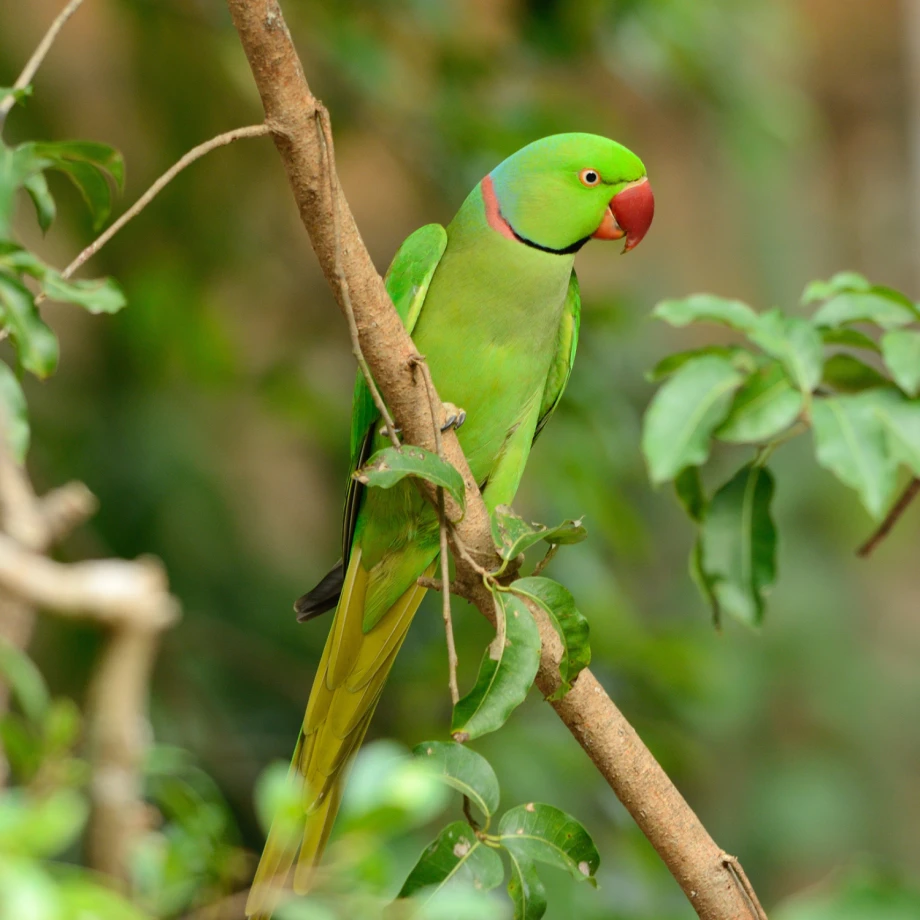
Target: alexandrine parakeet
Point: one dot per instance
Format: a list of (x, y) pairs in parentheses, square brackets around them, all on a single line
[(492, 302)]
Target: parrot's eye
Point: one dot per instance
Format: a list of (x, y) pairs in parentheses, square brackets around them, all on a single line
[(589, 177)]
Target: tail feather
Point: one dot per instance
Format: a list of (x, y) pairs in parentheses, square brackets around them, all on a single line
[(347, 687)]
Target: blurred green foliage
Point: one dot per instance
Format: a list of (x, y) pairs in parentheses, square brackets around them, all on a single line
[(211, 417)]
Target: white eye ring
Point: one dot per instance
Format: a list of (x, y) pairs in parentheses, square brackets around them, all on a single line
[(589, 177)]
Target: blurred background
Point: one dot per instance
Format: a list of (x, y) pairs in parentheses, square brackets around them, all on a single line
[(211, 417)]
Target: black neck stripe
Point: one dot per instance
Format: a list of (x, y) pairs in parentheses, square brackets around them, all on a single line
[(556, 252)]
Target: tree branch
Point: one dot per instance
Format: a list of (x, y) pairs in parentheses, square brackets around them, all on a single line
[(715, 892), (34, 62), (892, 518), (196, 153)]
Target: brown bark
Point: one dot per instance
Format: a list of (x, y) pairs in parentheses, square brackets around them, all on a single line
[(712, 880)]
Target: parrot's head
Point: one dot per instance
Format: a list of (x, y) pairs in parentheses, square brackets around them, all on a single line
[(562, 190)]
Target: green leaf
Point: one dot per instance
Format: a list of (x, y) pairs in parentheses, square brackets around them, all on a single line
[(567, 620), (900, 419), (688, 486), (705, 584), (389, 791), (700, 308), (465, 770), (513, 535), (543, 833), (45, 210), (102, 295), (92, 186), (41, 826), (13, 413), (36, 345), (738, 544), (741, 358), (103, 157), (61, 725), (23, 677), (457, 855), (851, 338), (87, 898), (851, 441), (795, 343), (842, 282), (391, 465), (525, 888), (867, 307), (847, 374), (901, 350), (684, 413), (766, 405), (505, 676)]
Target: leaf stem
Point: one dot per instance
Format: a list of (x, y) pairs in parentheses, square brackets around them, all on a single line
[(892, 518)]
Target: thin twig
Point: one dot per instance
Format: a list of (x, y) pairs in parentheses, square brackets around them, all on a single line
[(452, 660), (34, 62), (892, 518), (744, 884), (324, 130), (196, 153)]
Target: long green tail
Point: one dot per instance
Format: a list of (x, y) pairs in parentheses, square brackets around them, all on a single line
[(348, 683)]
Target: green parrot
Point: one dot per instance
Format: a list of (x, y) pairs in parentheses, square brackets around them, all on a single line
[(493, 304)]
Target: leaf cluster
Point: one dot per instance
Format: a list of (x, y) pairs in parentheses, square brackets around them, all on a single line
[(26, 280), (466, 854), (850, 374)]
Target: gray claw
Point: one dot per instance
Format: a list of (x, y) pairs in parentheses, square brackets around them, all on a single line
[(455, 417)]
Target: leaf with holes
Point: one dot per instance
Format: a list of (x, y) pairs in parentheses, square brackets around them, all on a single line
[(525, 888), (901, 351), (851, 441), (506, 674), (391, 465), (684, 413), (737, 560), (766, 405), (465, 770), (568, 622), (795, 343), (13, 413), (542, 833), (700, 308), (513, 535), (36, 345), (456, 855)]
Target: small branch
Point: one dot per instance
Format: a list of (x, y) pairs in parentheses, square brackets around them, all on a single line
[(109, 591), (324, 130), (545, 561), (34, 62), (196, 153), (892, 518), (743, 883)]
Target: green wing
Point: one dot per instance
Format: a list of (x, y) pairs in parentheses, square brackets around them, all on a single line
[(565, 354), (407, 281)]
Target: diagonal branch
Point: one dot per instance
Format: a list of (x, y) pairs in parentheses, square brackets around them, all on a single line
[(714, 888)]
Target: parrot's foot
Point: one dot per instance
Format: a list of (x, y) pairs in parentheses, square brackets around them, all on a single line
[(454, 417)]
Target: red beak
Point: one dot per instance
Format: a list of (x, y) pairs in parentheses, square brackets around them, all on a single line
[(629, 214)]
